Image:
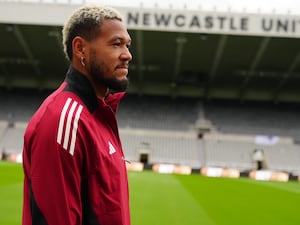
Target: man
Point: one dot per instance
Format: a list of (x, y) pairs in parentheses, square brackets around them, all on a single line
[(73, 161)]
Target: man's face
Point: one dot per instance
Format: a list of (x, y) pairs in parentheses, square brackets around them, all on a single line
[(109, 56)]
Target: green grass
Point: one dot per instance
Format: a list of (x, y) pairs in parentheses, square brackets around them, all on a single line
[(191, 200), (161, 199), (11, 184)]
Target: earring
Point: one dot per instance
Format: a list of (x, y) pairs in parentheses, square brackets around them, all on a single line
[(82, 61)]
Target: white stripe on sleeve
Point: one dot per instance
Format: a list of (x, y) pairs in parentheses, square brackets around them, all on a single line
[(74, 131), (62, 120), (68, 126)]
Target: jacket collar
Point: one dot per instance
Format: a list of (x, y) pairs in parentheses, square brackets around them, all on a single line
[(81, 86)]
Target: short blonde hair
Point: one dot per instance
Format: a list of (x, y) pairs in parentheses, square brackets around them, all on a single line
[(86, 22)]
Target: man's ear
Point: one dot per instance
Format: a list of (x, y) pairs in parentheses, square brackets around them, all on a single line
[(79, 46)]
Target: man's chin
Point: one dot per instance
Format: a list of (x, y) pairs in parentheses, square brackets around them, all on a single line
[(119, 86)]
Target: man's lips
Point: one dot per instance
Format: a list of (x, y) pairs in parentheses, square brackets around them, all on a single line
[(123, 66), (123, 69)]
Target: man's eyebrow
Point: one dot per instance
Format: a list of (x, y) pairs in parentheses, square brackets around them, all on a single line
[(119, 38)]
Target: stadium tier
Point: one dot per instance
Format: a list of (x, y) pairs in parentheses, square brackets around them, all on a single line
[(163, 130)]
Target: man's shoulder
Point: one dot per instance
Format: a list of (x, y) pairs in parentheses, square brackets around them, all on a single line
[(58, 105)]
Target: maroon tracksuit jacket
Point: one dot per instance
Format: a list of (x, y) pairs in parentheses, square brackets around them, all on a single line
[(73, 161)]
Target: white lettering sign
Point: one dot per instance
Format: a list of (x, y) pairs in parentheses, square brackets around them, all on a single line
[(205, 22)]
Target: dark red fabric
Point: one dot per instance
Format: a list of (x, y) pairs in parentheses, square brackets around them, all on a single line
[(55, 171)]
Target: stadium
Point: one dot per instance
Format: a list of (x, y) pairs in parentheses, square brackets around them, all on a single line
[(214, 94)]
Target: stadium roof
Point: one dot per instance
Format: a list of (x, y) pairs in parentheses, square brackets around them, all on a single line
[(217, 49)]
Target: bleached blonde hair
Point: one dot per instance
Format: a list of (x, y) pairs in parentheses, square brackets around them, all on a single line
[(86, 22)]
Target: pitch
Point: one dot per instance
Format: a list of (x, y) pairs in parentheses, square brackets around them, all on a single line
[(165, 199)]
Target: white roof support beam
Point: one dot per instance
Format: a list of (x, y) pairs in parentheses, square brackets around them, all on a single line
[(25, 47), (180, 42), (218, 56), (56, 33), (286, 75), (256, 60), (216, 63), (140, 57)]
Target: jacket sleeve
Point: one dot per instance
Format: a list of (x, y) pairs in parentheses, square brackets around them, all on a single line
[(55, 173)]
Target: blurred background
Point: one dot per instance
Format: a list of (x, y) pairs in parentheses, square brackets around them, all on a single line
[(214, 85)]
